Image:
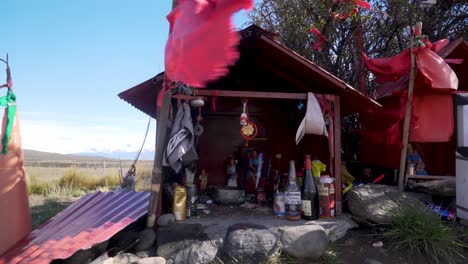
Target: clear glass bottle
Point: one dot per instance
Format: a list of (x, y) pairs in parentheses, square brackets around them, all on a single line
[(309, 193), (292, 195)]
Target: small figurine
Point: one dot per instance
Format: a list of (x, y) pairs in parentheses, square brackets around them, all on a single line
[(232, 172), (203, 181), (252, 172), (421, 168), (412, 157)]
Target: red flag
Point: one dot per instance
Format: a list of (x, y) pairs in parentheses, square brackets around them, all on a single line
[(203, 42)]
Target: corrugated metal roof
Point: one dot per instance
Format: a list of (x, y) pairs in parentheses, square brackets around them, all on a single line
[(93, 219), (143, 96)]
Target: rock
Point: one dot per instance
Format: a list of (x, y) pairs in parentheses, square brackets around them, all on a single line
[(250, 243), (377, 244), (377, 202), (174, 238), (228, 195), (371, 261), (436, 187), (146, 239), (101, 259), (336, 228), (197, 253), (304, 241), (166, 219), (152, 260), (146, 253), (125, 258)]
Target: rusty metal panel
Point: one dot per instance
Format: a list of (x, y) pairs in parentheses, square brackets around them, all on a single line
[(93, 219), (143, 96)]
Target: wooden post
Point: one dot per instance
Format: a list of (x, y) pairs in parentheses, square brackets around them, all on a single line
[(337, 150), (161, 141), (406, 125), (157, 175)]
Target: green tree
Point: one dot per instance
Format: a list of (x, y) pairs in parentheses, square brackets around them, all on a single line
[(384, 29)]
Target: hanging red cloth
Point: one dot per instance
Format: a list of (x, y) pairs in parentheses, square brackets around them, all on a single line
[(203, 41), (437, 73)]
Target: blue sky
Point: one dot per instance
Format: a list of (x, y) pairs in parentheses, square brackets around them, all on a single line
[(69, 61)]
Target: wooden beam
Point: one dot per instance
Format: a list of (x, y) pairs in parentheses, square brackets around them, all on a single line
[(251, 94), (406, 124), (157, 175), (161, 141), (337, 150)]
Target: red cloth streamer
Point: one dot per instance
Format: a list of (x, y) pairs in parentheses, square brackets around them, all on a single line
[(437, 73), (363, 4), (203, 42), (320, 39)]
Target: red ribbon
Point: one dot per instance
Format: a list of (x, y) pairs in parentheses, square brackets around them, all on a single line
[(320, 39)]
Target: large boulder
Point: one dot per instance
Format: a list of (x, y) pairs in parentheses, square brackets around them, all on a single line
[(336, 228), (445, 187), (125, 258), (171, 239), (152, 260), (304, 241), (250, 243), (228, 195), (202, 252), (376, 202)]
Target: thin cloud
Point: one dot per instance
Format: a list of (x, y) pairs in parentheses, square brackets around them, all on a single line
[(74, 137)]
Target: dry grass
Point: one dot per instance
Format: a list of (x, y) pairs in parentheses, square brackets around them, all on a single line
[(76, 181)]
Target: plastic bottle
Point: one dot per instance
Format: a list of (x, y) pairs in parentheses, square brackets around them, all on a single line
[(292, 195)]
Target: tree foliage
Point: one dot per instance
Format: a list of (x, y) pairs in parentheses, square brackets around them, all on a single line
[(385, 28)]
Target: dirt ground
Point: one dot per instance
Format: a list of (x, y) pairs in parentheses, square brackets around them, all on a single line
[(355, 248)]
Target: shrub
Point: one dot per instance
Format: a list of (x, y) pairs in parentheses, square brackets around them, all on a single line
[(143, 179), (74, 179), (422, 233)]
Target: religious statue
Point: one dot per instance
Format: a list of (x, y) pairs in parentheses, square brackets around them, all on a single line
[(254, 171), (232, 173), (203, 181)]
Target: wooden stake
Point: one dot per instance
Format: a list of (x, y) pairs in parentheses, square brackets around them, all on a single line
[(406, 125), (161, 142), (337, 150)]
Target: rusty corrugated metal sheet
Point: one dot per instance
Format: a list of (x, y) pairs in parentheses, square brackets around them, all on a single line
[(93, 219), (143, 96)]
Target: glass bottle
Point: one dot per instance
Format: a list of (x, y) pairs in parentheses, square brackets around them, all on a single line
[(309, 193), (292, 195)]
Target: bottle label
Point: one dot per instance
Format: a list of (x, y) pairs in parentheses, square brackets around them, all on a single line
[(292, 198), (307, 207), (323, 190)]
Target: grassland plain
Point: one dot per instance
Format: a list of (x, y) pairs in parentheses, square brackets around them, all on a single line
[(55, 184)]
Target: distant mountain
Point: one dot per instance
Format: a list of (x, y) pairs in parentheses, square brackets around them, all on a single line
[(119, 154), (35, 155)]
